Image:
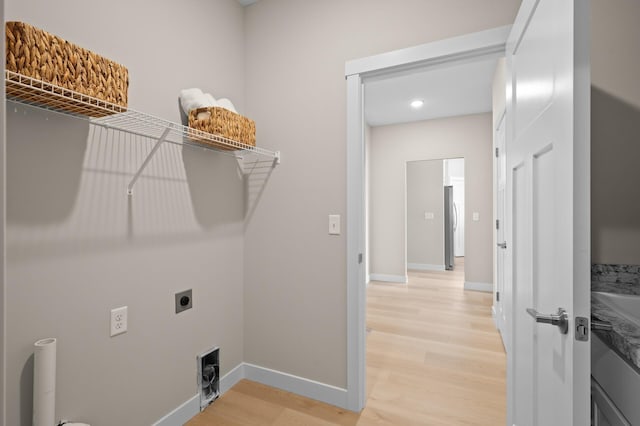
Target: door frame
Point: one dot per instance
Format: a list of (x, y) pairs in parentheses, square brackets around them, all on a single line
[(497, 309), (457, 50)]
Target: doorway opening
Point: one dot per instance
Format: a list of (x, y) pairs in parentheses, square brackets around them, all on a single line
[(362, 76), (435, 214)]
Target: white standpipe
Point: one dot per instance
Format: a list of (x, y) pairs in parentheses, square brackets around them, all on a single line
[(44, 383)]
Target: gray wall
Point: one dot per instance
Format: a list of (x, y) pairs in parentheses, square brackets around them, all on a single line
[(77, 246), (467, 137), (295, 274), (615, 126), (425, 193), (3, 322)]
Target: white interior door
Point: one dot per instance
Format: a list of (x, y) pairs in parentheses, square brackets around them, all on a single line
[(548, 211)]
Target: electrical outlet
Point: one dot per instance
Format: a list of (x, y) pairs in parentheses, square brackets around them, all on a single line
[(118, 321), (184, 301)]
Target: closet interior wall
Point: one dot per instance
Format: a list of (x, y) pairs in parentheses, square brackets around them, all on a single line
[(78, 246)]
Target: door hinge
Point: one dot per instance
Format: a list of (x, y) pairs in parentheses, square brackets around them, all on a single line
[(497, 223), (359, 258), (582, 329), (497, 152), (497, 296)]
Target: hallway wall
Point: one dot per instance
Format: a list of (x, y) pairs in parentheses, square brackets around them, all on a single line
[(425, 193), (467, 137)]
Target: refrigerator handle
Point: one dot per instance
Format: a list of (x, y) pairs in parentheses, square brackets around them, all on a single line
[(455, 215)]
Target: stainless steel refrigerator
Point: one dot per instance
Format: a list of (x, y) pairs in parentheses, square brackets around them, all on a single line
[(449, 226)]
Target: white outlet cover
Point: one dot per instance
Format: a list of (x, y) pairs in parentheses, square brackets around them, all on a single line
[(476, 216), (118, 321)]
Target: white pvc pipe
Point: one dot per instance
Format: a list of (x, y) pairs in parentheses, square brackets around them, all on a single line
[(44, 383)]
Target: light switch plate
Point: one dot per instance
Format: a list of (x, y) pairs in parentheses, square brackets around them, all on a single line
[(476, 216), (428, 215), (334, 224)]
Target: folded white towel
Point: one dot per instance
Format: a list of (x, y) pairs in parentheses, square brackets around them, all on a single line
[(226, 103), (194, 98), (210, 100), (191, 99)]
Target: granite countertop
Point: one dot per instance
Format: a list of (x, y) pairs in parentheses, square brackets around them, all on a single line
[(625, 336)]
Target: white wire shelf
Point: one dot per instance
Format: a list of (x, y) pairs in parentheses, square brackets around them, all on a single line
[(30, 91)]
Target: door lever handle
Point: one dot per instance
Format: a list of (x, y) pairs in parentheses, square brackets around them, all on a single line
[(561, 319), (502, 245)]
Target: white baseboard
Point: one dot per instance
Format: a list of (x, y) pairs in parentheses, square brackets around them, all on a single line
[(182, 414), (390, 278), (276, 379), (486, 287), (230, 379), (191, 407), (425, 267), (494, 317), (309, 388)]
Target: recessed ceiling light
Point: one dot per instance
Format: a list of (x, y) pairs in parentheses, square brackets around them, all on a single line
[(418, 103)]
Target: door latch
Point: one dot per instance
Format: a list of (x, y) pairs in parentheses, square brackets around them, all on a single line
[(582, 329)]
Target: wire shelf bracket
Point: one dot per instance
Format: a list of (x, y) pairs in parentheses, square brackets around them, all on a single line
[(43, 95), (146, 161)]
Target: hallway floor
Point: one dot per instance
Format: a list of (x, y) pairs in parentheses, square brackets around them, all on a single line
[(434, 357)]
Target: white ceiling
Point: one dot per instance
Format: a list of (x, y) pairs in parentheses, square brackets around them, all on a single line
[(451, 91)]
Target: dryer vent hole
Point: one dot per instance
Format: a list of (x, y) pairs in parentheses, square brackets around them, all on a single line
[(209, 377)]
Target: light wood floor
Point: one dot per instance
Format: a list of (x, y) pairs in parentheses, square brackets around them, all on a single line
[(433, 358)]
